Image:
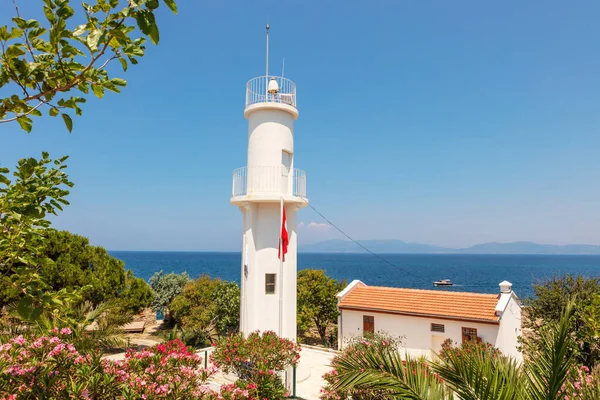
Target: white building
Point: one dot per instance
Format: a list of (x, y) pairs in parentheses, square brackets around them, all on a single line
[(268, 286), (426, 318)]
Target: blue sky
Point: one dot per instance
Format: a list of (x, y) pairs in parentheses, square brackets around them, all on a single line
[(449, 123)]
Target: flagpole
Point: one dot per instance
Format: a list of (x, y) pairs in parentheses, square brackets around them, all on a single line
[(282, 255)]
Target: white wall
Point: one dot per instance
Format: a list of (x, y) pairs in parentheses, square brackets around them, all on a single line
[(418, 340), (510, 329), (260, 311), (269, 132)]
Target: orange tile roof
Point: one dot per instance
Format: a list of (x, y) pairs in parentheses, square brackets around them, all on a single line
[(424, 303)]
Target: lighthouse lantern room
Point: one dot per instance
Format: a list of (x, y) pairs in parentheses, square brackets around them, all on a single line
[(269, 191)]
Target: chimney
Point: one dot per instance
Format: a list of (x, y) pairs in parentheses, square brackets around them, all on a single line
[(505, 287)]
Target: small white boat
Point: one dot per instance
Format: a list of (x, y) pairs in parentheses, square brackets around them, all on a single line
[(443, 282)]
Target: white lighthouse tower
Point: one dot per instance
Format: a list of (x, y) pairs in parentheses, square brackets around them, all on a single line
[(268, 284)]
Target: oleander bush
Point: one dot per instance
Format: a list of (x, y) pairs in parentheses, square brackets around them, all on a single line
[(49, 367), (584, 385), (257, 360)]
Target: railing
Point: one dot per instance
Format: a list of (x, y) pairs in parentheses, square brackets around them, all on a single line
[(257, 91), (269, 180)]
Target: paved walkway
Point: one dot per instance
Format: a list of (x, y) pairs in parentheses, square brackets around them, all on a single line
[(317, 363)]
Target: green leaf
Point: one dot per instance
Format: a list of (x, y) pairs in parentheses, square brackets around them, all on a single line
[(154, 35), (93, 38), (49, 14), (24, 307), (14, 51), (111, 86), (98, 90), (80, 30), (65, 12), (15, 33), (21, 23), (68, 122), (123, 63), (25, 123), (35, 314), (143, 21), (172, 5), (53, 112), (114, 3), (119, 81)]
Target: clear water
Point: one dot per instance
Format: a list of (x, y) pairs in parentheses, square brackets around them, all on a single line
[(474, 273)]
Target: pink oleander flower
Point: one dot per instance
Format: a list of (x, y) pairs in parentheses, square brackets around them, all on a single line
[(19, 340)]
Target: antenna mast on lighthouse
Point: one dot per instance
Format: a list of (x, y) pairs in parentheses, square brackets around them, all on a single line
[(267, 72)]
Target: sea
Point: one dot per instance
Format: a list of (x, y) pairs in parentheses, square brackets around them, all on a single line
[(470, 272)]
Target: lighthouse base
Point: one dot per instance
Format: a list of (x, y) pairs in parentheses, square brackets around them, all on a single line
[(268, 285)]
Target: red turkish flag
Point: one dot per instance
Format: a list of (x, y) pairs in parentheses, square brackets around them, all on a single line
[(284, 240)]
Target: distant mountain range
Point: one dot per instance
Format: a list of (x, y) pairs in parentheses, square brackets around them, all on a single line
[(399, 247)]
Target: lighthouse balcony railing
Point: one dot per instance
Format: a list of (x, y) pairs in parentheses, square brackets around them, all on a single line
[(269, 180), (258, 90)]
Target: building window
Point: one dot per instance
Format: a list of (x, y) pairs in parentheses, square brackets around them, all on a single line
[(270, 283), (368, 325), (469, 334), (437, 328)]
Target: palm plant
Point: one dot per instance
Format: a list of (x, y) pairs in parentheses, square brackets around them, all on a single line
[(92, 327), (98, 327), (543, 375), (481, 375), (375, 370)]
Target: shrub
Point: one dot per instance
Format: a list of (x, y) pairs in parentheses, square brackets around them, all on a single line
[(470, 346), (166, 287), (256, 360), (551, 297), (353, 347), (51, 368), (317, 302), (585, 384), (165, 370), (206, 310)]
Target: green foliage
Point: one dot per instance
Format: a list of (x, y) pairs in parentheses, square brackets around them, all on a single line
[(38, 188), (206, 309), (449, 351), (548, 366), (551, 297), (478, 371), (317, 302), (166, 287), (585, 384), (68, 262), (255, 360), (71, 262), (135, 296), (372, 368), (51, 368), (45, 62)]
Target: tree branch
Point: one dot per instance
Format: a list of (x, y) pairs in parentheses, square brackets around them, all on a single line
[(2, 121), (77, 79)]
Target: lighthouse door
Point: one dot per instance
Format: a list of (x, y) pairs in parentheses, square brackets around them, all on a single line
[(286, 165)]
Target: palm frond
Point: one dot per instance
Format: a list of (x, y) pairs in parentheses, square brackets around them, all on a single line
[(381, 369), (549, 364), (481, 376)]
